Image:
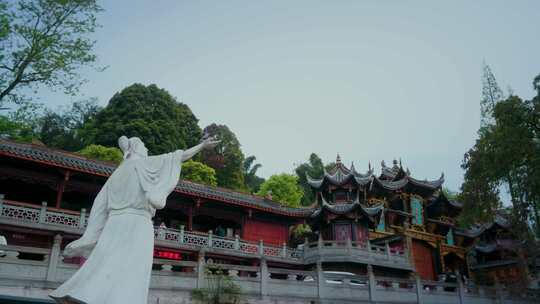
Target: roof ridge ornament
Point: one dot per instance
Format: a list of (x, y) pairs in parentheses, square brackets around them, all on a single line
[(338, 159)]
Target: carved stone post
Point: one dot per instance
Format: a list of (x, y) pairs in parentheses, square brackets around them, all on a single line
[(54, 258), (320, 241), (200, 270), (372, 283), (182, 232), (387, 246), (320, 281), (460, 288), (261, 248), (264, 277), (368, 243), (284, 250), (498, 292), (82, 218), (236, 242), (210, 237), (419, 289), (1, 202), (43, 212)]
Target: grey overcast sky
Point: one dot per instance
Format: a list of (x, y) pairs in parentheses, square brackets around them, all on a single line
[(370, 80)]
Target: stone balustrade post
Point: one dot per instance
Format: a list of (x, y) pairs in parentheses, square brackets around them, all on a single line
[(460, 288), (320, 281), (82, 218), (200, 270), (54, 258), (419, 289), (236, 242), (368, 243), (372, 284), (306, 242), (261, 248), (43, 212), (264, 277), (481, 291), (387, 246), (320, 241), (182, 232), (160, 233), (210, 237), (284, 250), (498, 292), (1, 203)]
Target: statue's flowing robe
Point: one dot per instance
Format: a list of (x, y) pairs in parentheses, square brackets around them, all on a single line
[(119, 238)]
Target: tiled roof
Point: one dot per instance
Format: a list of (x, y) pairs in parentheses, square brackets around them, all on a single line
[(341, 209), (390, 178), (79, 163)]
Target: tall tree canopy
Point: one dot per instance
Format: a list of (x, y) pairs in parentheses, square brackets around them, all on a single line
[(62, 128), (199, 173), (315, 168), (44, 42), (226, 158), (507, 154), (284, 189), (148, 112), (253, 182)]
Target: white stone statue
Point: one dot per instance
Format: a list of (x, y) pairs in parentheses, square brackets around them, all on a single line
[(119, 238)]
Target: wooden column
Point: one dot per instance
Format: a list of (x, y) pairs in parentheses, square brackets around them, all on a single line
[(60, 189), (190, 219)]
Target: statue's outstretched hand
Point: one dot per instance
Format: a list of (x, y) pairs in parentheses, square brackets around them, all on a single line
[(210, 142)]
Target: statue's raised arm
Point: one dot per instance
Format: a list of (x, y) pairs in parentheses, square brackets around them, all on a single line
[(120, 234)]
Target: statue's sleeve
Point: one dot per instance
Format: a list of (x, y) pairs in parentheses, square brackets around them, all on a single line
[(96, 222), (158, 176)]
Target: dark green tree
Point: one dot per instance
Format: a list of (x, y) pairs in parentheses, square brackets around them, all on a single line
[(253, 182), (148, 112), (506, 156), (315, 168), (226, 158), (61, 128), (44, 42)]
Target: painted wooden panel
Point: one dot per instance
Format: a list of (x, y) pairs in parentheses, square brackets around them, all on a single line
[(423, 260), (270, 232), (361, 233), (416, 210), (342, 232)]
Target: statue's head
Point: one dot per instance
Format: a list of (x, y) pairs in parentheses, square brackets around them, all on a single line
[(132, 147)]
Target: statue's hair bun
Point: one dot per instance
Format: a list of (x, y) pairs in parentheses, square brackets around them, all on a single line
[(123, 143)]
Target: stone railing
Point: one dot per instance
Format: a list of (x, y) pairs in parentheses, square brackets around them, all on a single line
[(46, 270), (75, 222), (29, 213), (349, 251)]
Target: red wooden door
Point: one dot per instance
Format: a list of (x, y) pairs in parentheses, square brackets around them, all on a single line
[(361, 233), (423, 260), (342, 232)]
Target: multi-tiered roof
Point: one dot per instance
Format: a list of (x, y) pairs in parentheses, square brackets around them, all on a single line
[(393, 178)]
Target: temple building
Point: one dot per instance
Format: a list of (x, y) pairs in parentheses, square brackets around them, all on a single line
[(366, 226)]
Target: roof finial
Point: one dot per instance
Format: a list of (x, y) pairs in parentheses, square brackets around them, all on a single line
[(383, 164), (400, 163), (338, 159), (369, 165)]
